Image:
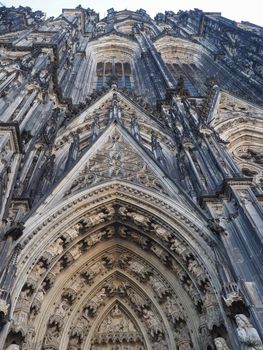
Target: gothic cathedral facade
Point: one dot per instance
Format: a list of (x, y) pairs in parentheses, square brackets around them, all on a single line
[(131, 181)]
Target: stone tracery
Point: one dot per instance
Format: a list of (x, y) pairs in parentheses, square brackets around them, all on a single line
[(137, 234)]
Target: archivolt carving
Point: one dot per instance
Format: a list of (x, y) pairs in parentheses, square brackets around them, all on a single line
[(78, 332), (112, 288), (141, 271), (76, 271), (117, 289), (75, 205)]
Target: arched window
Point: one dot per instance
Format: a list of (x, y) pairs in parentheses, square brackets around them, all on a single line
[(120, 71)]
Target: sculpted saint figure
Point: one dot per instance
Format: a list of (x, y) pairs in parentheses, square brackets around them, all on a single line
[(221, 344), (138, 302), (152, 323), (162, 232), (247, 334)]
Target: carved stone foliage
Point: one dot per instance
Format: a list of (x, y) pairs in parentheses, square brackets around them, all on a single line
[(116, 159)]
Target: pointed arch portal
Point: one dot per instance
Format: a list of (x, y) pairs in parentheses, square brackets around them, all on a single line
[(120, 255)]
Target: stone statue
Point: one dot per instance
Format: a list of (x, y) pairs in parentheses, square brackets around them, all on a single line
[(157, 149), (138, 302), (96, 302), (158, 287), (13, 347), (161, 232), (152, 323), (95, 129), (135, 130), (247, 334), (221, 344)]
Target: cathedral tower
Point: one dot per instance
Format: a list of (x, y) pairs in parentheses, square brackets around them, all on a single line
[(131, 181)]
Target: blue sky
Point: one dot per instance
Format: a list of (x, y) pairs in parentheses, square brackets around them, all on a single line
[(237, 10)]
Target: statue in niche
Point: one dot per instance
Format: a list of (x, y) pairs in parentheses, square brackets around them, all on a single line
[(247, 334), (95, 238), (158, 287), (38, 270), (54, 249), (138, 218), (161, 232), (152, 323), (36, 304), (172, 310), (73, 254), (93, 271), (140, 270), (52, 337), (59, 315), (29, 339), (20, 316), (138, 302), (72, 232), (160, 253), (221, 344), (180, 248), (96, 302), (94, 219), (196, 269), (139, 239)]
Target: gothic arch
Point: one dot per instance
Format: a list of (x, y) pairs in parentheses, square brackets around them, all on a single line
[(244, 134), (161, 232), (145, 342)]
